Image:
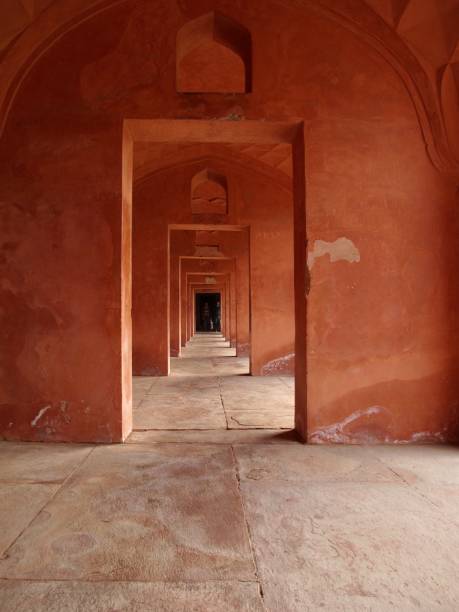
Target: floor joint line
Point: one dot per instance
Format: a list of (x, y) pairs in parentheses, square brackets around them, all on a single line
[(248, 529), (4, 554)]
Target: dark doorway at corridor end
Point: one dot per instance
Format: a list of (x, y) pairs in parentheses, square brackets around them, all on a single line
[(208, 312)]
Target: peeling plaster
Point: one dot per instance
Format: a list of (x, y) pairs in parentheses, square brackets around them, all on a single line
[(335, 432), (342, 249), (39, 415), (425, 437), (243, 349), (277, 365)]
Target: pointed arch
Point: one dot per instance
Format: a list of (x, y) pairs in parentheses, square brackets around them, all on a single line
[(214, 55), (209, 193)]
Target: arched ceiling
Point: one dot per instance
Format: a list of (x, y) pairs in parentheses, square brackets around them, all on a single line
[(151, 157), (420, 36), (429, 27), (17, 15)]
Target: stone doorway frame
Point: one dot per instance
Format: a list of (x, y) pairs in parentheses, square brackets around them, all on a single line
[(186, 131)]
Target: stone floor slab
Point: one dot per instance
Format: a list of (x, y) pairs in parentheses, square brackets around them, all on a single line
[(345, 545), (24, 596), (42, 463), (249, 419), (216, 436), (175, 413), (184, 385), (149, 513), (431, 470), (205, 392), (30, 475), (19, 505), (252, 402), (309, 464)]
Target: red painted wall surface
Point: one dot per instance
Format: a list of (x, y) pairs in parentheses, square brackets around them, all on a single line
[(382, 224)]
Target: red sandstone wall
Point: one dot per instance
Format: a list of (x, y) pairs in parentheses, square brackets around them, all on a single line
[(382, 313)]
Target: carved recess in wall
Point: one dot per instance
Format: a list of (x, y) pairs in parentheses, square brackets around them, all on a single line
[(419, 38), (209, 193), (213, 56)]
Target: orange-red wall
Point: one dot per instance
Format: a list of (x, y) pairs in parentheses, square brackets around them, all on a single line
[(382, 330)]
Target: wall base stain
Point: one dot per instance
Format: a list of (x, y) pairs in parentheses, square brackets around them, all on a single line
[(282, 365), (336, 434)]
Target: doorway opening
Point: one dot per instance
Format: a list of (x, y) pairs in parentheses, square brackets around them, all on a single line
[(259, 200), (207, 312)]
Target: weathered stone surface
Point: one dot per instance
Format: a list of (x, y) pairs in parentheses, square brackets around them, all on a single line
[(39, 463), (180, 412), (19, 504), (215, 436), (163, 512), (339, 532), (30, 474), (207, 393), (310, 464), (160, 526), (252, 402), (22, 596), (431, 471)]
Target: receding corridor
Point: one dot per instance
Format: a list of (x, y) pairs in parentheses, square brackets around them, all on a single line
[(209, 388), (249, 522)]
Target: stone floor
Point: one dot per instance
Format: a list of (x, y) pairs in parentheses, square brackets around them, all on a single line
[(226, 519), (210, 388), (249, 520)]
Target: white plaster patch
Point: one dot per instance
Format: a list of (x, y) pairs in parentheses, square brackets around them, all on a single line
[(39, 415), (277, 365), (243, 349), (335, 432), (342, 249), (425, 437)]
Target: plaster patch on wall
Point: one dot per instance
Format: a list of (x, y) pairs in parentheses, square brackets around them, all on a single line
[(342, 249), (243, 349), (425, 437), (275, 366), (39, 415), (335, 433)]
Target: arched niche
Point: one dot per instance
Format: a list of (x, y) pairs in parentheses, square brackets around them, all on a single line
[(214, 55), (209, 193)]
